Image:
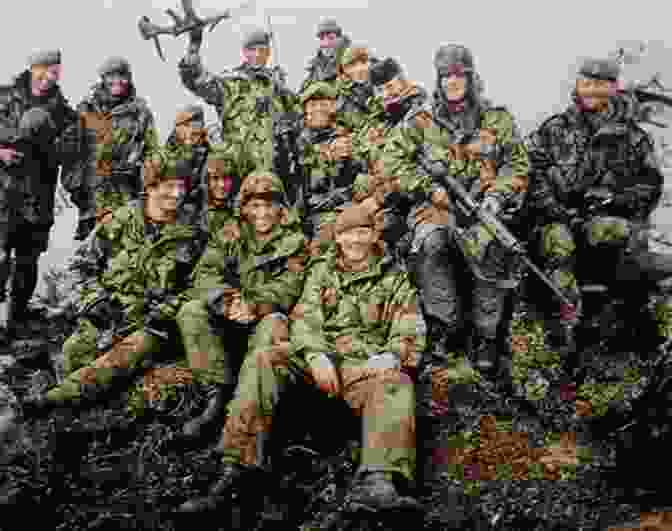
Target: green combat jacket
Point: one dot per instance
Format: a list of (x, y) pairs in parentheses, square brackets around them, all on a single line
[(267, 273), (246, 99), (127, 256), (356, 315)]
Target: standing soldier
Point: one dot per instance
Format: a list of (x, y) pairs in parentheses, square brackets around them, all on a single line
[(594, 175), (354, 334), (478, 144), (244, 286), (248, 99), (322, 67), (40, 131), (125, 133)]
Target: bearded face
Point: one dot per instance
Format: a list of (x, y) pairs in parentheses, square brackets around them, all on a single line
[(117, 83), (357, 71), (592, 95), (320, 113), (256, 56), (43, 78)]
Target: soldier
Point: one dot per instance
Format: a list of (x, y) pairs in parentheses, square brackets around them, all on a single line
[(125, 133), (137, 262), (347, 352), (326, 167), (244, 286), (356, 98), (594, 174), (482, 148), (322, 67), (40, 131), (248, 99)]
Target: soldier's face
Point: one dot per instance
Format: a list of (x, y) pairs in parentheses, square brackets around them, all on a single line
[(357, 71), (263, 215), (356, 244), (167, 193), (256, 56), (392, 91), (117, 83), (320, 112), (328, 40), (594, 94), (43, 78), (219, 185), (189, 133), (454, 86)]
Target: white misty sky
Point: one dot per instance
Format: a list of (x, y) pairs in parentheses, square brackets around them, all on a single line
[(526, 50)]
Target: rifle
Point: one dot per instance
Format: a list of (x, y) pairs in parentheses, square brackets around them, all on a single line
[(493, 225)]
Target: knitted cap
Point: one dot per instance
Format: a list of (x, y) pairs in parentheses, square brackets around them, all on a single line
[(45, 57)]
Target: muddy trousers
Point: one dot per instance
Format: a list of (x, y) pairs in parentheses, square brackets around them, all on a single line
[(213, 357), (385, 402), (133, 353)]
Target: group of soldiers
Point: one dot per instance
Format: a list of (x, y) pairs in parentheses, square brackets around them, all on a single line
[(312, 237)]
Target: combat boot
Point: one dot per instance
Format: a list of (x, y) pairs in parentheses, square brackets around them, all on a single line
[(236, 479), (207, 423), (375, 491)]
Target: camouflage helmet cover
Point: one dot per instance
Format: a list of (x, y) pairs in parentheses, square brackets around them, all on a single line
[(262, 185), (604, 69), (256, 38), (162, 166), (115, 65), (449, 55), (225, 159), (328, 25)]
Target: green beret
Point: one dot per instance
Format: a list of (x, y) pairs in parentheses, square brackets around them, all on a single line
[(328, 25), (114, 65), (319, 90), (453, 54), (605, 69), (45, 57), (256, 38)]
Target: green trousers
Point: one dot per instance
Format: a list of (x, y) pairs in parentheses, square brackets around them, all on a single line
[(385, 401)]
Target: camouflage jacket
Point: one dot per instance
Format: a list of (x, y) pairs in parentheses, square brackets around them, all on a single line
[(573, 152), (267, 273), (126, 256), (507, 159), (218, 217), (125, 134), (322, 67), (357, 315), (246, 99), (327, 183), (30, 185)]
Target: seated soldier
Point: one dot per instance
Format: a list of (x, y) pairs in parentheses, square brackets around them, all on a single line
[(353, 334), (247, 281), (137, 263)]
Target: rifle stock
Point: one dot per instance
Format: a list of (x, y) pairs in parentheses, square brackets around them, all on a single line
[(499, 231)]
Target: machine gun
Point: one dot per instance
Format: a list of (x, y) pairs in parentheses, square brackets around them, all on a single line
[(186, 24), (492, 224)]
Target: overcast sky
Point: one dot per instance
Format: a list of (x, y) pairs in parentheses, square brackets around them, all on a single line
[(526, 51)]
